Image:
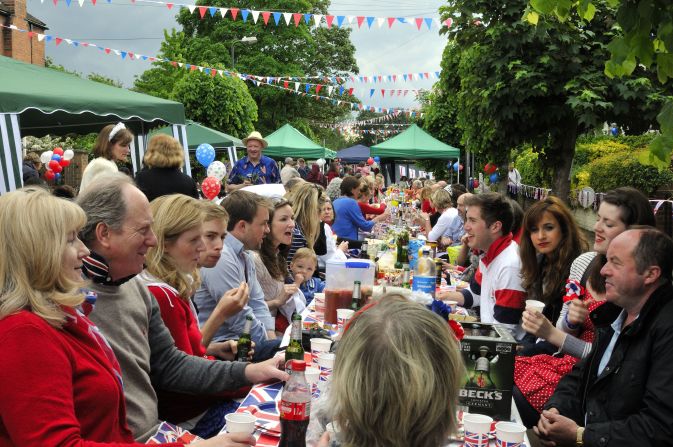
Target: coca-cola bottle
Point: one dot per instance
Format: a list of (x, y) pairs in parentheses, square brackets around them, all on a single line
[(295, 407)]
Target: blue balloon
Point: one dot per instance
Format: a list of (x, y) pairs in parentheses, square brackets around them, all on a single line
[(205, 154), (56, 157), (449, 165), (57, 176), (377, 159), (456, 166), (494, 178)]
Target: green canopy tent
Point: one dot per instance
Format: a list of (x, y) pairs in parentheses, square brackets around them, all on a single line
[(38, 101), (198, 134), (289, 142), (414, 144)]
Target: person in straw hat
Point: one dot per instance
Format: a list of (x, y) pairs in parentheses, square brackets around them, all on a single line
[(254, 168)]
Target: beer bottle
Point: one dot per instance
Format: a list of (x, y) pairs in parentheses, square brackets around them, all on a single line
[(244, 341), (363, 250), (295, 351), (481, 374), (295, 407), (438, 263), (357, 295)]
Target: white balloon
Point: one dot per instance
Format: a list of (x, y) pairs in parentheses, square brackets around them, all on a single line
[(68, 154), (46, 156), (217, 169), (320, 162)]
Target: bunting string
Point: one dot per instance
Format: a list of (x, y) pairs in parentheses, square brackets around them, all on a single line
[(292, 18), (256, 80)]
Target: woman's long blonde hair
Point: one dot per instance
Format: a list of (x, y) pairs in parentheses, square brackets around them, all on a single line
[(34, 228), (306, 204), (396, 377), (173, 215)]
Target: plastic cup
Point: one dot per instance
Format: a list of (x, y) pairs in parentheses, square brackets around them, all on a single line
[(240, 423), (451, 304), (509, 434), (477, 427), (326, 364), (312, 377), (319, 346), (343, 315), (534, 305)]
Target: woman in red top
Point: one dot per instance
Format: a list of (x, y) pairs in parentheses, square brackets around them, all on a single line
[(60, 383), (172, 276), (363, 202), (315, 176)]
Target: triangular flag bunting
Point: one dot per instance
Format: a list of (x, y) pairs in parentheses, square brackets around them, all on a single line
[(255, 16), (370, 20), (297, 18), (350, 19), (318, 87), (286, 84), (371, 93), (288, 17), (307, 88), (380, 20), (81, 3), (244, 14), (234, 13), (212, 10), (317, 18), (223, 11), (419, 22), (265, 17), (340, 21), (123, 54), (428, 22), (296, 86), (329, 19), (58, 40), (202, 11), (276, 17), (329, 90), (169, 5), (191, 8), (360, 20), (40, 37), (307, 18), (391, 20), (30, 34), (350, 91)]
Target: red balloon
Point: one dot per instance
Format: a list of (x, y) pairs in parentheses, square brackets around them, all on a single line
[(460, 167), (53, 164), (58, 150), (494, 168), (475, 183), (210, 186), (49, 174), (64, 162), (487, 168), (370, 161), (58, 168)]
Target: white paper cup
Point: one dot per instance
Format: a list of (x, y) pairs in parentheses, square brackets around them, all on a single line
[(477, 427), (319, 297), (343, 315), (312, 377), (326, 364), (240, 423), (534, 305), (509, 434), (318, 346), (319, 303)]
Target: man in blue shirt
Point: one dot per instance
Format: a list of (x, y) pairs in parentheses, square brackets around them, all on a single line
[(248, 224), (621, 394), (254, 168)]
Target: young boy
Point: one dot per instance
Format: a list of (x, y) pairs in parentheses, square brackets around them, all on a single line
[(214, 230), (302, 267)]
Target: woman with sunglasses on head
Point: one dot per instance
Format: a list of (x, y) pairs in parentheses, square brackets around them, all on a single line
[(536, 377)]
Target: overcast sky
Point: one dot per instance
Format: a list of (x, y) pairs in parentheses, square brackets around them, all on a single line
[(139, 28)]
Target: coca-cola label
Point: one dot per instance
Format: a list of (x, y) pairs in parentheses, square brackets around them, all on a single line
[(294, 411)]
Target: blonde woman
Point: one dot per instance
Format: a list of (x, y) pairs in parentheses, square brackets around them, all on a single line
[(172, 276), (163, 174), (396, 377), (306, 203), (60, 381), (441, 201)]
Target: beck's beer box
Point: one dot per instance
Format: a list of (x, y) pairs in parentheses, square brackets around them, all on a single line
[(488, 352)]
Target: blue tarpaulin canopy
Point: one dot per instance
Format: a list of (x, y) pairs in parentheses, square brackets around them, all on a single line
[(354, 154)]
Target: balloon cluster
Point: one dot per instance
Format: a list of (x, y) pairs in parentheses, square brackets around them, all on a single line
[(212, 184), (55, 161), (454, 166), (494, 178), (490, 168)]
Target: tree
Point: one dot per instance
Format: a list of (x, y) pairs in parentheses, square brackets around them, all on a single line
[(512, 83), (279, 51), (646, 39)]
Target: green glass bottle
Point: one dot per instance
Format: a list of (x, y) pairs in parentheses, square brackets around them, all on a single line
[(357, 295), (244, 341), (295, 351)]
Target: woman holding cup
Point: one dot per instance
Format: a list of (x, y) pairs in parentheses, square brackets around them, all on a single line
[(536, 377)]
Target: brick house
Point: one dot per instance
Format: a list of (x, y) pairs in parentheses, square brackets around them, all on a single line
[(18, 45)]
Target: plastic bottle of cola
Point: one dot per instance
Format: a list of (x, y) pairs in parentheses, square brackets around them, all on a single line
[(295, 407)]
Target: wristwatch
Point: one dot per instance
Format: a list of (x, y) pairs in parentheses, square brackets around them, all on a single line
[(580, 436)]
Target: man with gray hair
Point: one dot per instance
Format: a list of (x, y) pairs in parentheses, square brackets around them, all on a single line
[(118, 232), (289, 171)]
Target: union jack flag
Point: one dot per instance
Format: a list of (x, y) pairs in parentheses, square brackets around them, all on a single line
[(475, 439), (262, 402), (500, 443), (172, 433)]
